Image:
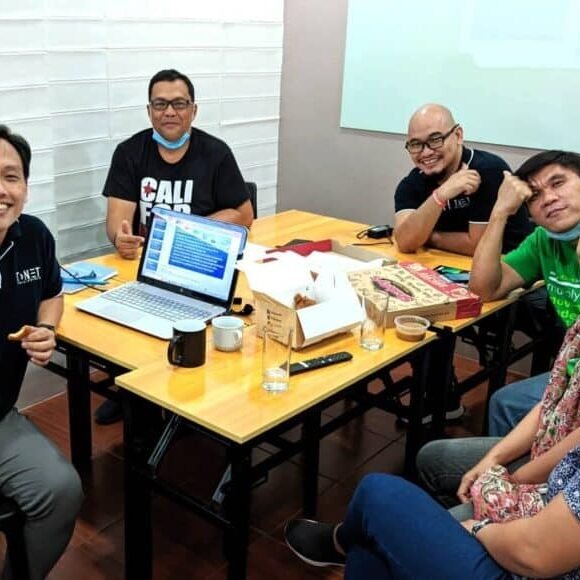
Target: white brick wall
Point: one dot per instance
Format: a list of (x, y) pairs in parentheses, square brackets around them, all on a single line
[(74, 83)]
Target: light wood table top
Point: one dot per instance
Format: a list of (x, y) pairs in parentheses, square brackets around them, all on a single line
[(225, 395)]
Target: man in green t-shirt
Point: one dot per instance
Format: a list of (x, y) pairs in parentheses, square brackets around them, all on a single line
[(549, 183)]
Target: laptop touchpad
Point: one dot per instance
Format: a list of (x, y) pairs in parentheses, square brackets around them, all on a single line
[(122, 314)]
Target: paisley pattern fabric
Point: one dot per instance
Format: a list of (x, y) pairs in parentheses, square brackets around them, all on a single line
[(495, 494)]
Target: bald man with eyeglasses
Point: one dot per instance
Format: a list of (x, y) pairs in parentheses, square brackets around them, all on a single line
[(446, 200)]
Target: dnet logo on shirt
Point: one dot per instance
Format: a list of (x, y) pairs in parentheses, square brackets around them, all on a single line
[(175, 195)]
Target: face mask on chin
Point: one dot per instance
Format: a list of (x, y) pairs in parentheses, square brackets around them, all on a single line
[(567, 236), (158, 138)]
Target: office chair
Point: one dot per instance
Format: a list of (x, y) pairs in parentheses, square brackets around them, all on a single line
[(253, 191), (12, 526)]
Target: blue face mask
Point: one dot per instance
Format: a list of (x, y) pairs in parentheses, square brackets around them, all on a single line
[(158, 138), (568, 236)]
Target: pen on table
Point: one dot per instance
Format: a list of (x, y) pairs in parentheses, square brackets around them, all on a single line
[(86, 281)]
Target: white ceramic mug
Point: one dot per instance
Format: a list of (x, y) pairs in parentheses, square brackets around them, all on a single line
[(228, 333)]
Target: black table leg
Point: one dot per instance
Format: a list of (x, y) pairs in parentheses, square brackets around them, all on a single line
[(79, 408), (311, 456), (238, 512), (415, 430), (138, 530)]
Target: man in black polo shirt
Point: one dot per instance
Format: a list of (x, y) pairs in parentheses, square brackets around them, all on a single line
[(446, 201), (33, 473)]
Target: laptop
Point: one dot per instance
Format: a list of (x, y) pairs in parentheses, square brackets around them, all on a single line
[(187, 270)]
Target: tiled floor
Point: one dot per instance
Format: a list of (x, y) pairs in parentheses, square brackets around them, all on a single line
[(185, 546)]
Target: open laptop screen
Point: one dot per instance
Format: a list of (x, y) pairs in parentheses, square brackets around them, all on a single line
[(192, 255)]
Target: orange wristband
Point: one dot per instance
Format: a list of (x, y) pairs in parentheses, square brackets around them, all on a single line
[(442, 204)]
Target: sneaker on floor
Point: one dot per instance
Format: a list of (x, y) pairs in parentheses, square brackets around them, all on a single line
[(313, 542), (109, 412), (454, 411)]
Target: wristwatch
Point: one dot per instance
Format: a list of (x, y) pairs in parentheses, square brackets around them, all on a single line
[(477, 526)]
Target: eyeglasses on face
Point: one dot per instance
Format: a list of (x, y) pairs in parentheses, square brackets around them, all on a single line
[(435, 141), (177, 104)]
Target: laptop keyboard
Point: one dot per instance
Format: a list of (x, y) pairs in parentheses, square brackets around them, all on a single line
[(156, 305)]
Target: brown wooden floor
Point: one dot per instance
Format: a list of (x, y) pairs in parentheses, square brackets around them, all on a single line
[(187, 547)]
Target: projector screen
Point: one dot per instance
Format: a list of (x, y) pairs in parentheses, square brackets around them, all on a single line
[(507, 69)]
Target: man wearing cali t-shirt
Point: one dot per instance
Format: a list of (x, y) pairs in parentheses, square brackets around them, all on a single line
[(446, 201), (171, 165), (549, 183)]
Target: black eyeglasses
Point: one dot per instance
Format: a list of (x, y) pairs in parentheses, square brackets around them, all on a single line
[(162, 104), (435, 141)]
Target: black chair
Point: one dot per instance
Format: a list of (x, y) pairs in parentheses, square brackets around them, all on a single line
[(12, 526), (253, 191)]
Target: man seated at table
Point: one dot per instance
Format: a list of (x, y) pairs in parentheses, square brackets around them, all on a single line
[(33, 473), (549, 184), (173, 165), (446, 200)]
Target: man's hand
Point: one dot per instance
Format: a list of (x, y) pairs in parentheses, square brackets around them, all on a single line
[(464, 489), (126, 243), (512, 193), (465, 181), (39, 345)]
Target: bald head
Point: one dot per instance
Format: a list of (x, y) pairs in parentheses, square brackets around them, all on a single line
[(431, 115), (435, 141)]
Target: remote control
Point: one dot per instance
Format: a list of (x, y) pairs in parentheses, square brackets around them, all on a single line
[(319, 362)]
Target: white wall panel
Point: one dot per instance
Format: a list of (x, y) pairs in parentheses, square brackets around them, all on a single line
[(67, 65), (164, 33), (252, 60), (21, 35), (83, 155), (24, 103), (255, 153), (38, 132), (253, 34), (78, 213), (40, 196), (74, 83), (70, 9), (247, 132), (42, 166), (76, 34), (240, 85), (127, 121), (144, 63), (78, 126), (154, 9), (77, 186), (78, 95), (21, 69), (272, 10), (247, 109)]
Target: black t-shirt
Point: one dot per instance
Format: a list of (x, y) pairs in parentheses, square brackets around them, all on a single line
[(29, 274), (462, 210), (205, 180)]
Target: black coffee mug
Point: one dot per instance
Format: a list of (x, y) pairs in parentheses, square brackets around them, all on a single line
[(187, 347)]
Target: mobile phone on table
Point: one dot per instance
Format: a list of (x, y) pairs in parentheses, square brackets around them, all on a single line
[(452, 274)]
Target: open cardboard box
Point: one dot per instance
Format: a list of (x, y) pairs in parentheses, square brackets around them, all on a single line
[(339, 310), (415, 289)]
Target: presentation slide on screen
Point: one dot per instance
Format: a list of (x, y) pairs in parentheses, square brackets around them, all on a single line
[(509, 71)]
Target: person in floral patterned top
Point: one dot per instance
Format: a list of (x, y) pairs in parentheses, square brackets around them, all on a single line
[(524, 494)]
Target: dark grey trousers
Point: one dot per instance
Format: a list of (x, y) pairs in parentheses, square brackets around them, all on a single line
[(45, 485)]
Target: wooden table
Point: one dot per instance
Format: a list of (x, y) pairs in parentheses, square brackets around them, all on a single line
[(224, 399)]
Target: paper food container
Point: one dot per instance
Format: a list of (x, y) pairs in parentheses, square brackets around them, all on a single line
[(415, 289)]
